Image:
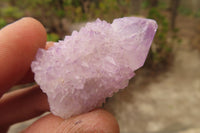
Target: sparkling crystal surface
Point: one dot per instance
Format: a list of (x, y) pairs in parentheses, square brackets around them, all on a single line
[(80, 72)]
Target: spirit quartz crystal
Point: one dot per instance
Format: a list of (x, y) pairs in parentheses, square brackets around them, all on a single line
[(80, 72)]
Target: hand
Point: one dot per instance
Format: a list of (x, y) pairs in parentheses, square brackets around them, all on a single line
[(18, 45)]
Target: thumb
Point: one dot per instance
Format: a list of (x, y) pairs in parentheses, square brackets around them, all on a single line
[(96, 121)]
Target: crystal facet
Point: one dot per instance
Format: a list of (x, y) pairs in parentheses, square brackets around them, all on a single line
[(78, 73)]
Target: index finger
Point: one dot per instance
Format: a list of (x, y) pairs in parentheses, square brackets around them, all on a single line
[(18, 45)]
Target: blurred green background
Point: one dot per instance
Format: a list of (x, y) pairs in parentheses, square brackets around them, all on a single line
[(158, 99), (59, 15)]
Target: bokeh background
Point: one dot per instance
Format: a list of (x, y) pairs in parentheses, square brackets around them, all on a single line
[(164, 96)]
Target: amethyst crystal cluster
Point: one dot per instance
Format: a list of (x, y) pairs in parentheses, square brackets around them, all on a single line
[(78, 73)]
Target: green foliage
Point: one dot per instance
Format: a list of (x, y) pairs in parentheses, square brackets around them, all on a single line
[(52, 37), (179, 41), (2, 23), (197, 14), (108, 9), (185, 11), (33, 3), (12, 12), (73, 10), (162, 5), (60, 13), (76, 3), (52, 12), (145, 4), (68, 2), (104, 9), (160, 51)]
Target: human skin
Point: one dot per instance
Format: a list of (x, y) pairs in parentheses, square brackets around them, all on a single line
[(19, 42)]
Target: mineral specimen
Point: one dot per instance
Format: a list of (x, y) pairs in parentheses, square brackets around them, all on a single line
[(80, 72)]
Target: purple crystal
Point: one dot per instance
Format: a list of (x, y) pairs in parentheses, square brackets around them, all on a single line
[(78, 73)]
